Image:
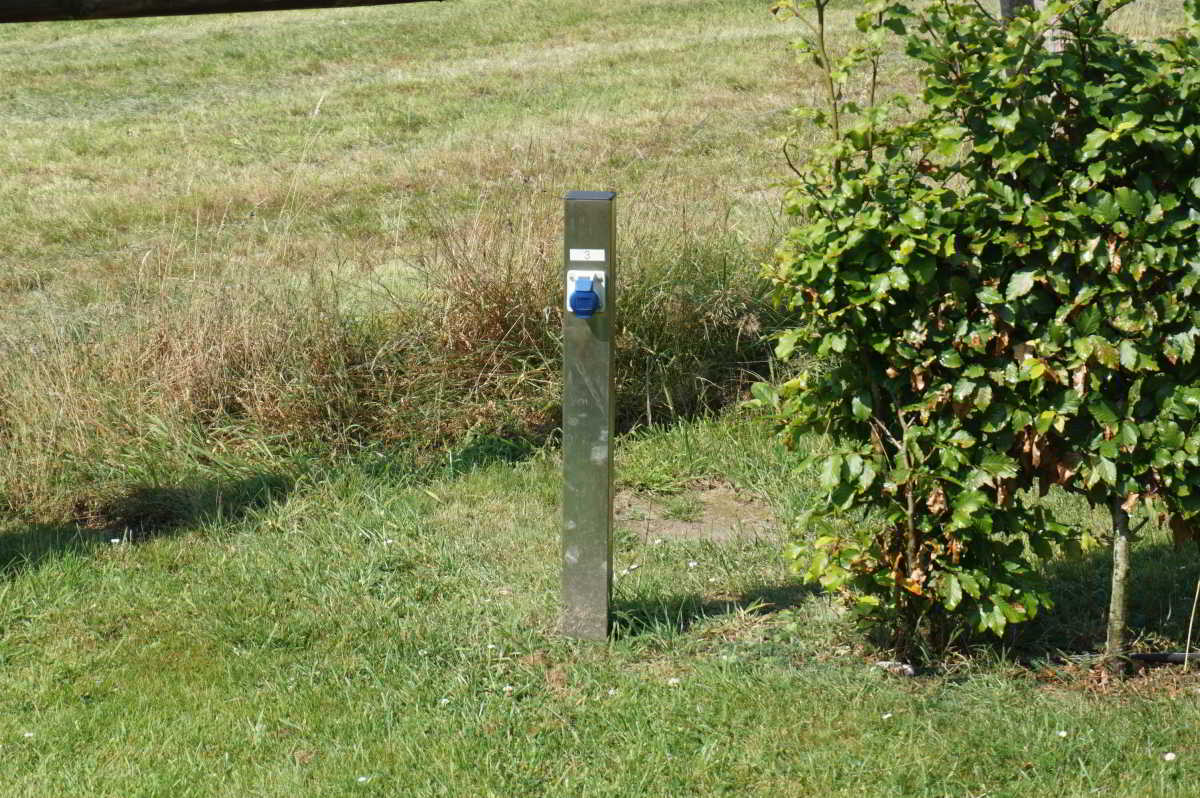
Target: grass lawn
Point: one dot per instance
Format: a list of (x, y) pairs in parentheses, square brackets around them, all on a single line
[(225, 244), (360, 631)]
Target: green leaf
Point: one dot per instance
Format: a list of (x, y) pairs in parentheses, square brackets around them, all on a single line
[(1128, 435), (969, 502), (1005, 123), (1103, 412), (914, 217), (860, 406), (1129, 200), (1044, 420), (764, 393), (963, 439), (1105, 208), (1185, 342), (831, 471), (951, 590), (950, 359), (1036, 216), (835, 342), (867, 476), (998, 465), (787, 344), (988, 295), (969, 584), (955, 132), (996, 621), (1107, 470), (1087, 321), (1094, 141), (1129, 355), (1020, 284), (1106, 353)]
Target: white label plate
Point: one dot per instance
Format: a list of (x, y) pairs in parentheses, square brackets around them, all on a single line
[(586, 255)]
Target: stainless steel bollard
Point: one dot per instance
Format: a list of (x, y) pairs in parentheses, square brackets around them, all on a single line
[(589, 321)]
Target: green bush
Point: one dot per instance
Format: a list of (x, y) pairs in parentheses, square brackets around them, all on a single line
[(995, 295)]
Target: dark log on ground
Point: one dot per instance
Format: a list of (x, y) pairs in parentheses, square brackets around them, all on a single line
[(1168, 657), (49, 10)]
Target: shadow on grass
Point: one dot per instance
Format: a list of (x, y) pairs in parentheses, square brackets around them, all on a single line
[(671, 615), (141, 514), (481, 451), (1162, 585)]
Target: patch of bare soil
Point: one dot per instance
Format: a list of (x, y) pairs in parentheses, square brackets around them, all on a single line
[(710, 511)]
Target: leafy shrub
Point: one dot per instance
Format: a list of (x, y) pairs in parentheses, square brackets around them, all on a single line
[(1000, 294)]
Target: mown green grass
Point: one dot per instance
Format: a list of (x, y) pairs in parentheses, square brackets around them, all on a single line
[(363, 631), (227, 569)]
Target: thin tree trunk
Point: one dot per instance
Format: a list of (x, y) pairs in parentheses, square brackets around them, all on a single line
[(1010, 8), (1118, 604)]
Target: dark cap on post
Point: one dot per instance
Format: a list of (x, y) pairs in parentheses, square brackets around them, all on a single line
[(591, 195)]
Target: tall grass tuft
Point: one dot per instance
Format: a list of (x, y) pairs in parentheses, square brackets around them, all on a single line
[(178, 375)]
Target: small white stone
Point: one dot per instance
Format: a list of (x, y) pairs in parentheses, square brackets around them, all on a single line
[(362, 779), (673, 682), (887, 715), (1169, 756), (692, 563), (444, 701), (896, 668), (114, 540), (612, 691), (491, 646), (27, 734), (1062, 732)]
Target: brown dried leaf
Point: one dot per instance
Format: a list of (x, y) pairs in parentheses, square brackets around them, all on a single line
[(915, 584), (1066, 467), (1032, 447), (917, 380), (1079, 379), (936, 500), (1004, 492), (1130, 502), (1023, 351), (1000, 341)]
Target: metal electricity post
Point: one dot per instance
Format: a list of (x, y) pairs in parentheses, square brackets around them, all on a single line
[(589, 245)]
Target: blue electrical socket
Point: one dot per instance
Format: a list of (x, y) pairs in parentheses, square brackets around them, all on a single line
[(585, 292)]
